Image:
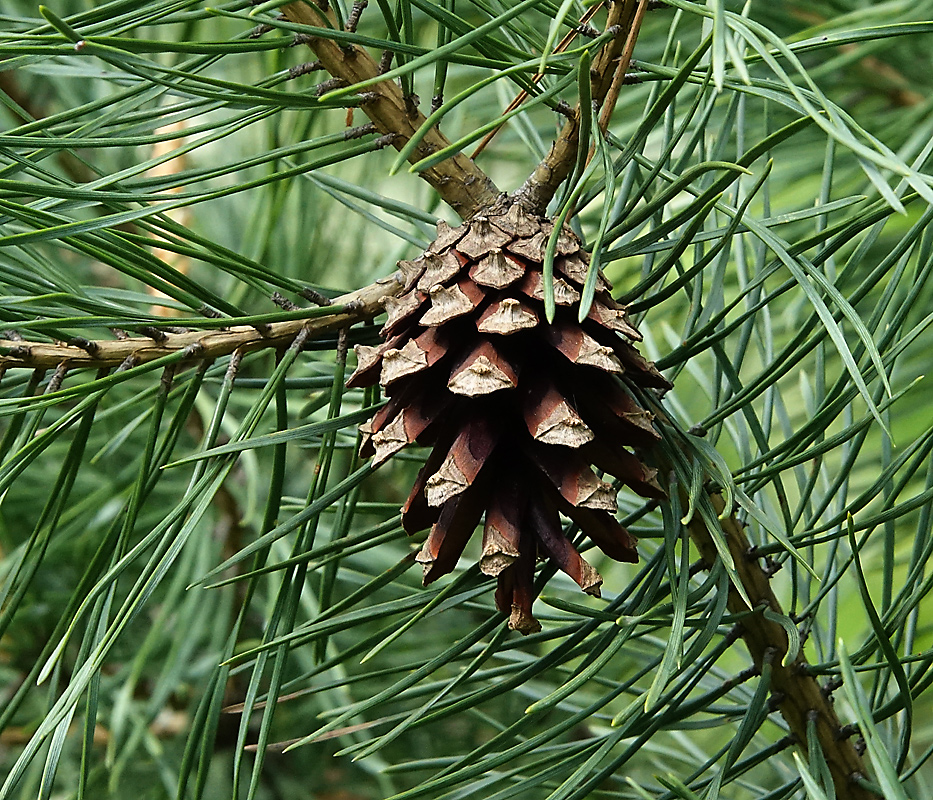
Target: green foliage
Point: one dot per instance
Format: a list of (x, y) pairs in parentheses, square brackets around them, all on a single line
[(198, 573)]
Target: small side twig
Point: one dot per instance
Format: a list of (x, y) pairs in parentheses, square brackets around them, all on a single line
[(130, 351), (583, 29), (606, 76), (353, 19), (304, 69)]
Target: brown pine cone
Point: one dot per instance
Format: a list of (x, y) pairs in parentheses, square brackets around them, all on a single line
[(517, 410)]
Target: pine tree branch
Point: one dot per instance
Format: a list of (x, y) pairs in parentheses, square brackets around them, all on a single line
[(606, 77), (459, 182), (794, 690), (363, 304), (523, 95), (467, 189)]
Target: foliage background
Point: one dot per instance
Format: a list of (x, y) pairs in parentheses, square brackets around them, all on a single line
[(167, 554)]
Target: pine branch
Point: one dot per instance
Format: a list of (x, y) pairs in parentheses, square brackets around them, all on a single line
[(363, 304), (461, 184), (795, 692), (606, 77), (467, 189)]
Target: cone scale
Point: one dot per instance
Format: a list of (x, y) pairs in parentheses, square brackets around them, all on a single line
[(519, 413)]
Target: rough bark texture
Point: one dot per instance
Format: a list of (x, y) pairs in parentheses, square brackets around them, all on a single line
[(462, 185), (796, 693), (607, 73), (350, 308)]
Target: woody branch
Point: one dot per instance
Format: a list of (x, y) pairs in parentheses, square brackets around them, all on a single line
[(346, 310), (798, 696), (606, 77), (461, 184)]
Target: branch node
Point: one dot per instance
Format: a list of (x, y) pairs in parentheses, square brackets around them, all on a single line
[(771, 566), (58, 376), (89, 347), (802, 668), (283, 302), (260, 30), (128, 363), (233, 367), (586, 30), (353, 18), (742, 677), (342, 345), (304, 69), (331, 83), (314, 296), (385, 62), (193, 350), (168, 374), (21, 352), (160, 337), (774, 702), (845, 731), (298, 342), (565, 109), (359, 131), (411, 105)]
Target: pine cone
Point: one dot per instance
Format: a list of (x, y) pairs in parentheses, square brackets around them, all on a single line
[(517, 411)]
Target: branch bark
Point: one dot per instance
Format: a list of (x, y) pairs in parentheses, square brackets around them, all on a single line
[(459, 182), (796, 693), (357, 306), (606, 76)]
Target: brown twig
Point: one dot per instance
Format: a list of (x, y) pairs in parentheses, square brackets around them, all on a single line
[(522, 96), (363, 304), (796, 693), (608, 70), (612, 95), (461, 184)]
